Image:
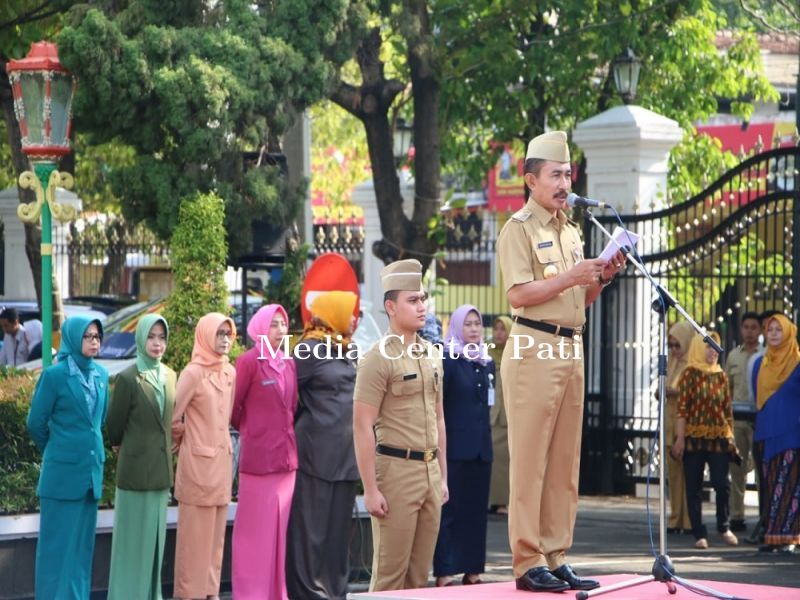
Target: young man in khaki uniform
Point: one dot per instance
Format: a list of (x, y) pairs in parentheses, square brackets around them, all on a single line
[(744, 414), (549, 285), (398, 428)]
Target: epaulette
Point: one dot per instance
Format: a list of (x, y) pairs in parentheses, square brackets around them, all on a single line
[(522, 215)]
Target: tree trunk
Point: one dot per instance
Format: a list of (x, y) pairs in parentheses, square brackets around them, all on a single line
[(114, 268), (371, 102), (427, 145)]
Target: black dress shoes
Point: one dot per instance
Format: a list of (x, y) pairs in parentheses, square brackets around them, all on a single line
[(540, 579), (566, 574)]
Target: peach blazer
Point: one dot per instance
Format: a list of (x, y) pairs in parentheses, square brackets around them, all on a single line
[(204, 399)]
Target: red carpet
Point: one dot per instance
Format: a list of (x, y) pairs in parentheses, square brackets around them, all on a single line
[(647, 591)]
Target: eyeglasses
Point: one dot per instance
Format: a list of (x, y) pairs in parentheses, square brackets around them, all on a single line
[(93, 337), (225, 335), (674, 345)]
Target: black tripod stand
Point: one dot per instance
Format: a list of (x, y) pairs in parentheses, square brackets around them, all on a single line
[(663, 570)]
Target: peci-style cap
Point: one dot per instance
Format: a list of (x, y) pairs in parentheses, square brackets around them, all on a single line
[(549, 146), (405, 275)]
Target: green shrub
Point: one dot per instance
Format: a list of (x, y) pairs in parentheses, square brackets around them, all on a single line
[(20, 459), (199, 253)]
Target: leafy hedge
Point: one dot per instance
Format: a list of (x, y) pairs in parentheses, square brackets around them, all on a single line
[(20, 460), (199, 251)]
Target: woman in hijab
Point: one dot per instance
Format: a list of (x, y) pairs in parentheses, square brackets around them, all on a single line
[(498, 490), (704, 435), (319, 527), (680, 337), (468, 396), (33, 335), (263, 413), (777, 378), (203, 402), (139, 419), (67, 412)]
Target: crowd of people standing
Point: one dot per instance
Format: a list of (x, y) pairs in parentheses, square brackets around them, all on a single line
[(737, 419), (297, 472)]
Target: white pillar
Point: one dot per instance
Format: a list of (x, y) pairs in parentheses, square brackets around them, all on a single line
[(626, 151), (17, 279)]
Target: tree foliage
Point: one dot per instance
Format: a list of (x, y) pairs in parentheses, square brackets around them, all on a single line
[(478, 72), (550, 67), (190, 86), (339, 155)]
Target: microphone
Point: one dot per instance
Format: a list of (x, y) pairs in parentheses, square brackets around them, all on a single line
[(574, 200)]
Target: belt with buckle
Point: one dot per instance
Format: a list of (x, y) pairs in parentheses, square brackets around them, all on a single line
[(408, 453), (549, 327)]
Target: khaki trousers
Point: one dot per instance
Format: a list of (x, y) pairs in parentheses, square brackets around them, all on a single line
[(743, 436), (678, 506), (199, 544), (404, 540), (544, 404)]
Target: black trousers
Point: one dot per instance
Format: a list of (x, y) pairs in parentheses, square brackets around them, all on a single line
[(693, 466)]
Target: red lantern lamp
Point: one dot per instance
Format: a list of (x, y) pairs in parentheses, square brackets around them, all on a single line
[(43, 91)]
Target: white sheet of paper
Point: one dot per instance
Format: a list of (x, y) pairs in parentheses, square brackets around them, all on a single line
[(623, 237)]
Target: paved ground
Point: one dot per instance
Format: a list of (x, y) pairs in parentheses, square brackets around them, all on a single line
[(611, 536)]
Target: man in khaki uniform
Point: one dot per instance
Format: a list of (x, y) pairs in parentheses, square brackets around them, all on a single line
[(744, 414), (549, 285), (398, 428)]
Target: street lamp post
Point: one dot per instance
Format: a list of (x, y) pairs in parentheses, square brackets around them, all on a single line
[(43, 91), (626, 68), (402, 137)]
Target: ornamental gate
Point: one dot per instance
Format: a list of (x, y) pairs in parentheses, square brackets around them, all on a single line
[(728, 250)]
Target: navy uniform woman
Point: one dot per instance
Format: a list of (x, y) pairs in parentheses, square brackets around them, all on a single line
[(468, 394)]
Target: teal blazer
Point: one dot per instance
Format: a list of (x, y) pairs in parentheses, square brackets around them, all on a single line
[(70, 438), (136, 424)]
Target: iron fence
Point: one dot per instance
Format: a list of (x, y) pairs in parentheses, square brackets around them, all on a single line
[(100, 255)]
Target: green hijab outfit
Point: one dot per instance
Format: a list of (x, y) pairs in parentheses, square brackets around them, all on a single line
[(149, 367)]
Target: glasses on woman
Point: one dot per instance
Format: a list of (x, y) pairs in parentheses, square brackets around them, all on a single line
[(225, 335), (93, 337)]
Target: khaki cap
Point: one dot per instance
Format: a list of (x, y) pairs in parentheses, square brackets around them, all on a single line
[(549, 146), (405, 275)]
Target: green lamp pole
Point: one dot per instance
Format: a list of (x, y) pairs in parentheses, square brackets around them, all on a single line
[(43, 91)]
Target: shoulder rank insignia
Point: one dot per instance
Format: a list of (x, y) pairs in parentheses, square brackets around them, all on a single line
[(522, 215)]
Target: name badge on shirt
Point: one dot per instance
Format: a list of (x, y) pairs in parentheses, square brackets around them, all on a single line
[(266, 382), (491, 389), (409, 376), (547, 244)]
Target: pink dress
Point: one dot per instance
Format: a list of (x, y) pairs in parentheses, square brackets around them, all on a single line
[(264, 405)]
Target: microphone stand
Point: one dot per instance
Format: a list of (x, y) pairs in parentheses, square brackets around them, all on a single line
[(663, 570)]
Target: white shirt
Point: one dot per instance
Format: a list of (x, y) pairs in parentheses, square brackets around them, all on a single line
[(15, 348)]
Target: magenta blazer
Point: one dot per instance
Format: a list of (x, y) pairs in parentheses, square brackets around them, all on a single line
[(263, 412)]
